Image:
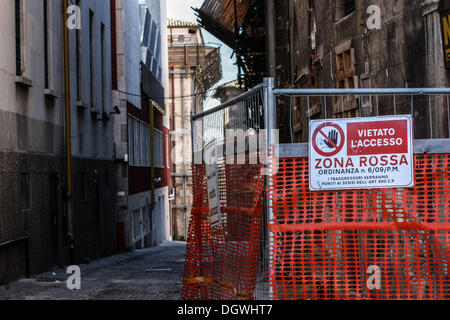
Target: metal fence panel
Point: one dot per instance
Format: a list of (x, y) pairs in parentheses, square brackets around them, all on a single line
[(320, 245)]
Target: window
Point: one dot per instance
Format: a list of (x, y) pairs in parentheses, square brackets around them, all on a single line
[(18, 23), (159, 149), (92, 56), (151, 40), (346, 78), (344, 8), (130, 141), (46, 44), (156, 55), (136, 143), (167, 149), (139, 143), (103, 74), (78, 57)]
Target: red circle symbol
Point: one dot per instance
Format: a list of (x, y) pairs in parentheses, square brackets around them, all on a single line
[(337, 148)]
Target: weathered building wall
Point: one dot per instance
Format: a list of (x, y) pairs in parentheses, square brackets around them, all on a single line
[(33, 172), (405, 52), (91, 92), (330, 44), (30, 205)]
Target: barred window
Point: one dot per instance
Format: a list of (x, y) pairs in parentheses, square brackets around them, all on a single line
[(19, 27), (139, 143), (159, 149), (344, 8), (349, 7), (346, 107)]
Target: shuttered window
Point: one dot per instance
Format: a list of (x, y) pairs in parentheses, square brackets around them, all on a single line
[(159, 149), (344, 8), (346, 78), (139, 143), (46, 44)]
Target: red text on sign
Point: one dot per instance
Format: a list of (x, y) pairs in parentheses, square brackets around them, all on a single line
[(363, 162), (381, 137)]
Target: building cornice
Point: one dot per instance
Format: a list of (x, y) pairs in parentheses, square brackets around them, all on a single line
[(429, 6)]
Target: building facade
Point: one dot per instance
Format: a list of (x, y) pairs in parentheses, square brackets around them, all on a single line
[(337, 44), (57, 188), (92, 222), (142, 129), (194, 68)]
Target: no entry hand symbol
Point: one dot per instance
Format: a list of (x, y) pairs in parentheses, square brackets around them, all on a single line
[(328, 139)]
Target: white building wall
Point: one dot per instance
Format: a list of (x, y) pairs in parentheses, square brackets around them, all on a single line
[(40, 111)]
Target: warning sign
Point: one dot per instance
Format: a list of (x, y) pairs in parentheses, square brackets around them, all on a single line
[(361, 153), (212, 179)]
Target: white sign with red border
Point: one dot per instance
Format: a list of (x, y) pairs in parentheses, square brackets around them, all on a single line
[(361, 153), (212, 181)]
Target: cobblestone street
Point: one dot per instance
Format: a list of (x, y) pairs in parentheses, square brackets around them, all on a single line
[(149, 274)]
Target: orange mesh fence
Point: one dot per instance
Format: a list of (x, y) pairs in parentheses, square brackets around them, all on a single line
[(222, 262), (326, 244)]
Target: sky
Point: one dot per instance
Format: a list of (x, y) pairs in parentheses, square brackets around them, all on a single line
[(181, 10)]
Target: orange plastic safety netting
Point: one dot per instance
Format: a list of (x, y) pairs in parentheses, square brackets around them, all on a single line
[(361, 244), (222, 262)]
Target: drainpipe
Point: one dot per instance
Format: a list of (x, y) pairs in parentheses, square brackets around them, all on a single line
[(68, 132)]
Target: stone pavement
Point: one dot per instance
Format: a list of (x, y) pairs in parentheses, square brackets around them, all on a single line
[(149, 274)]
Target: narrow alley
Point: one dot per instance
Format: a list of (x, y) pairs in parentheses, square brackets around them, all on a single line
[(149, 274), (223, 153)]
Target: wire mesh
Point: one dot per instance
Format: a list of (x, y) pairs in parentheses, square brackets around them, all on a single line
[(245, 116), (222, 261), (229, 261), (325, 242), (322, 244)]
